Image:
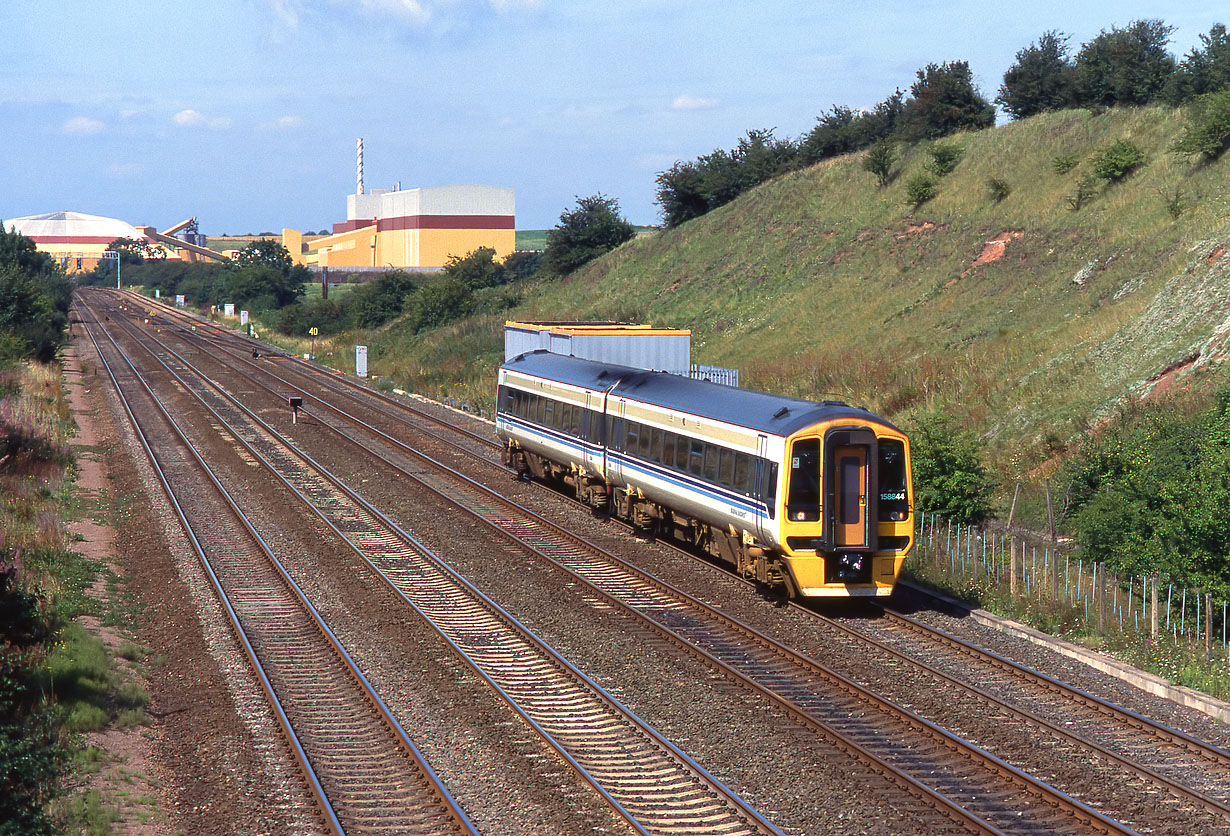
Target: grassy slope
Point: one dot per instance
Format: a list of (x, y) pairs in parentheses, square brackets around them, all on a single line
[(820, 283)]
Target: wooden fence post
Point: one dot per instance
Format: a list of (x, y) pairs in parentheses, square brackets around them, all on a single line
[(1153, 601), (1101, 597)]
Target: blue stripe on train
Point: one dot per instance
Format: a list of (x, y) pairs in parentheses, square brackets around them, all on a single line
[(680, 480)]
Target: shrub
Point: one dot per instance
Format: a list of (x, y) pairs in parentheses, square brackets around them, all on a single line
[(879, 160), (1118, 160), (949, 477), (1086, 191), (998, 189), (1065, 163), (1175, 201), (1208, 127), (920, 188), (944, 157)]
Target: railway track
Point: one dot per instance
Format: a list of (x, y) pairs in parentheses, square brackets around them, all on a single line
[(653, 785), (801, 686), (360, 765)]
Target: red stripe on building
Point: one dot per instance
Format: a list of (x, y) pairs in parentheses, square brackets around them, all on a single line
[(446, 222), (351, 226), (72, 239)]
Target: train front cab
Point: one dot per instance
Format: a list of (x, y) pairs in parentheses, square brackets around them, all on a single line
[(847, 520)]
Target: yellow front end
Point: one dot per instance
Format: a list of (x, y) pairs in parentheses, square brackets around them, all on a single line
[(846, 506)]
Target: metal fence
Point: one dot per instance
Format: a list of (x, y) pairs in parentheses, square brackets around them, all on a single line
[(716, 374), (1045, 573)]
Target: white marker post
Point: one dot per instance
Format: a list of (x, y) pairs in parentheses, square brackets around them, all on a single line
[(360, 360)]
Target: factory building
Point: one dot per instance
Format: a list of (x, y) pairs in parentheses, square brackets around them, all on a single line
[(419, 227), (77, 240), (415, 228)]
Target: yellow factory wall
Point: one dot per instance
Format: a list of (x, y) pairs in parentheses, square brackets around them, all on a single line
[(292, 240), (436, 245), (407, 247), (347, 249)]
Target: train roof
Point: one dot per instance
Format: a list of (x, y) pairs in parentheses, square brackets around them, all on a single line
[(773, 414)]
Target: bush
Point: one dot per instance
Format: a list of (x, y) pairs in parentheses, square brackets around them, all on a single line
[(1065, 163), (1208, 127), (1118, 160), (920, 188), (879, 161), (949, 477), (944, 157), (593, 228), (1149, 494), (998, 189)]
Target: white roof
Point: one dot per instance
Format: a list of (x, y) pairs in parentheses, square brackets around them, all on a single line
[(72, 225)]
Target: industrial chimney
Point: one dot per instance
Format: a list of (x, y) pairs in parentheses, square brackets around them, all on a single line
[(359, 167)]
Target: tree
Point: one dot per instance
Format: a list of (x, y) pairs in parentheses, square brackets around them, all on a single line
[(34, 299), (136, 250), (1125, 66), (949, 477), (265, 252), (843, 130), (477, 268), (879, 161), (438, 302), (593, 228), (681, 193), (1204, 70), (1208, 127), (1043, 78), (943, 101)]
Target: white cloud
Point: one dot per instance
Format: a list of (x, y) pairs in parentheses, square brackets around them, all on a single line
[(686, 102), (285, 123), (195, 119), (82, 126)]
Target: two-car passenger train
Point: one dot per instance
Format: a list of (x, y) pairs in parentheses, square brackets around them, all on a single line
[(812, 497)]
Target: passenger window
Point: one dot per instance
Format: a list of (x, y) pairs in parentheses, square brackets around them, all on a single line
[(578, 414), (548, 412), (668, 449), (697, 458), (726, 468), (712, 452), (630, 440), (646, 438), (743, 473), (565, 417), (655, 445)]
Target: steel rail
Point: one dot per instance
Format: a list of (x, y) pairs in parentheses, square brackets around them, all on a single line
[(449, 814), (640, 791), (1042, 790)]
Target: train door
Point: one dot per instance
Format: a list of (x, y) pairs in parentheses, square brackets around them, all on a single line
[(614, 439), (850, 467), (850, 497), (761, 478)]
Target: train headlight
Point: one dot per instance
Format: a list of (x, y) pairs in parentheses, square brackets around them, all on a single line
[(897, 516)]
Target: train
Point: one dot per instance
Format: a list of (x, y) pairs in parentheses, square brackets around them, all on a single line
[(812, 498)]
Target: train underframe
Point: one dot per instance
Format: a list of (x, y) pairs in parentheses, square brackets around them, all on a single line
[(651, 519)]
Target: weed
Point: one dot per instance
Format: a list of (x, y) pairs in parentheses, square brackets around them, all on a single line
[(998, 189), (1086, 191), (1175, 201)]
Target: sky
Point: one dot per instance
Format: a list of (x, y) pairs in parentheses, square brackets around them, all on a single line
[(244, 113)]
